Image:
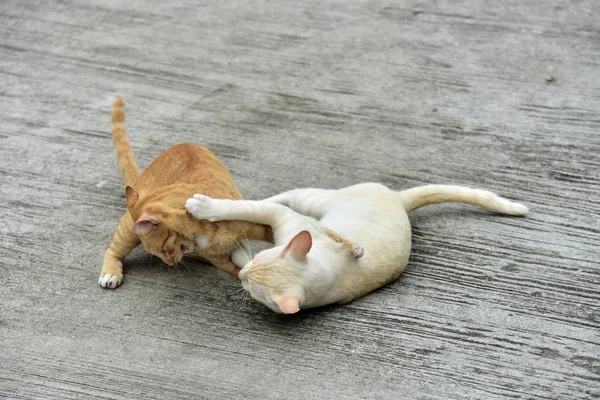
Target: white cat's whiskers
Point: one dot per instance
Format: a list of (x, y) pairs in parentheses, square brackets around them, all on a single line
[(240, 297), (243, 299), (239, 290), (248, 247), (246, 297), (234, 291), (245, 249)]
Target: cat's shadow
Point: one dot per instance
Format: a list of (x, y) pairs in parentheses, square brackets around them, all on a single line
[(300, 326), (209, 284), (330, 318)]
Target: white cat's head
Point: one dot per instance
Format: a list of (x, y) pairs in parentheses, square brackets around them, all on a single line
[(277, 277)]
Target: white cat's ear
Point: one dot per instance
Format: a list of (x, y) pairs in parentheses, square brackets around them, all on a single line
[(145, 224), (131, 195), (299, 246), (289, 304)]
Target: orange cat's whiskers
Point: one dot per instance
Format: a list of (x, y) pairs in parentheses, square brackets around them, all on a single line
[(183, 264), (160, 266), (175, 268)]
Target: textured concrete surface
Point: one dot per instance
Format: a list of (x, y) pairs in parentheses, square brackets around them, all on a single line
[(502, 95)]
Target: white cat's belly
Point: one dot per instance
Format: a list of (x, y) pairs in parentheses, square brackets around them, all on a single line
[(382, 228), (372, 223)]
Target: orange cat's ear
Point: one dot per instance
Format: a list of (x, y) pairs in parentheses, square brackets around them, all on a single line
[(131, 195), (145, 224), (289, 304), (299, 246)]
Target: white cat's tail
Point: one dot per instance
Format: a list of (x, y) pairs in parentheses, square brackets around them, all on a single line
[(432, 194)]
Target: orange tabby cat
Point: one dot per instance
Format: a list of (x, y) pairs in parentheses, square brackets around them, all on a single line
[(156, 214)]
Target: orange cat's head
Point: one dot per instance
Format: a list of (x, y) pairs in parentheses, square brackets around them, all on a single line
[(159, 225)]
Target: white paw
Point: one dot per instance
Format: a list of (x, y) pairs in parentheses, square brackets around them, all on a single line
[(110, 281), (358, 251), (240, 256), (202, 241), (202, 207)]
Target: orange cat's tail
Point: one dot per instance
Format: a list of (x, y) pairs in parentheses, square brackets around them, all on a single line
[(432, 194), (129, 168)]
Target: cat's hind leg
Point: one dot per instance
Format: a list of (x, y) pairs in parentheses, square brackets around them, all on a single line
[(123, 242), (355, 250), (310, 202)]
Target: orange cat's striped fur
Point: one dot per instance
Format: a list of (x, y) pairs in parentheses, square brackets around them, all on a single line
[(156, 214)]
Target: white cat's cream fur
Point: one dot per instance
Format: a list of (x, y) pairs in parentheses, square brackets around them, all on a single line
[(306, 268)]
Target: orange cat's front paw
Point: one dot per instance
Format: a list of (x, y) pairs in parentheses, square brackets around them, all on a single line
[(111, 275), (110, 281)]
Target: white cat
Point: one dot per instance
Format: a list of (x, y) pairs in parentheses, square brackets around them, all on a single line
[(306, 267)]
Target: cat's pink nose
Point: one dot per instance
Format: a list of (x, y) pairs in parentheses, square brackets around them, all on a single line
[(242, 274)]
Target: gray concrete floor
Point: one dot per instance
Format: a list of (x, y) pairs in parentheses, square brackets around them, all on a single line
[(500, 95)]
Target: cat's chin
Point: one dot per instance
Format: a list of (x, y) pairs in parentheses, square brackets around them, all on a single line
[(261, 295)]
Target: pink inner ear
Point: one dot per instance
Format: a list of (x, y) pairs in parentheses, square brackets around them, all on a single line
[(299, 246), (145, 224), (131, 196), (289, 305)]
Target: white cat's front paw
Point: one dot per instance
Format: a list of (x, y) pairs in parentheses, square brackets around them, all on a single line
[(202, 207), (110, 281)]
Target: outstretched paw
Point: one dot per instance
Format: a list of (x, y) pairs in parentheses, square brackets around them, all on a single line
[(358, 252), (110, 281), (202, 207)]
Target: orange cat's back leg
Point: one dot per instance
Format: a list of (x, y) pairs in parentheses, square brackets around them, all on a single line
[(123, 242)]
